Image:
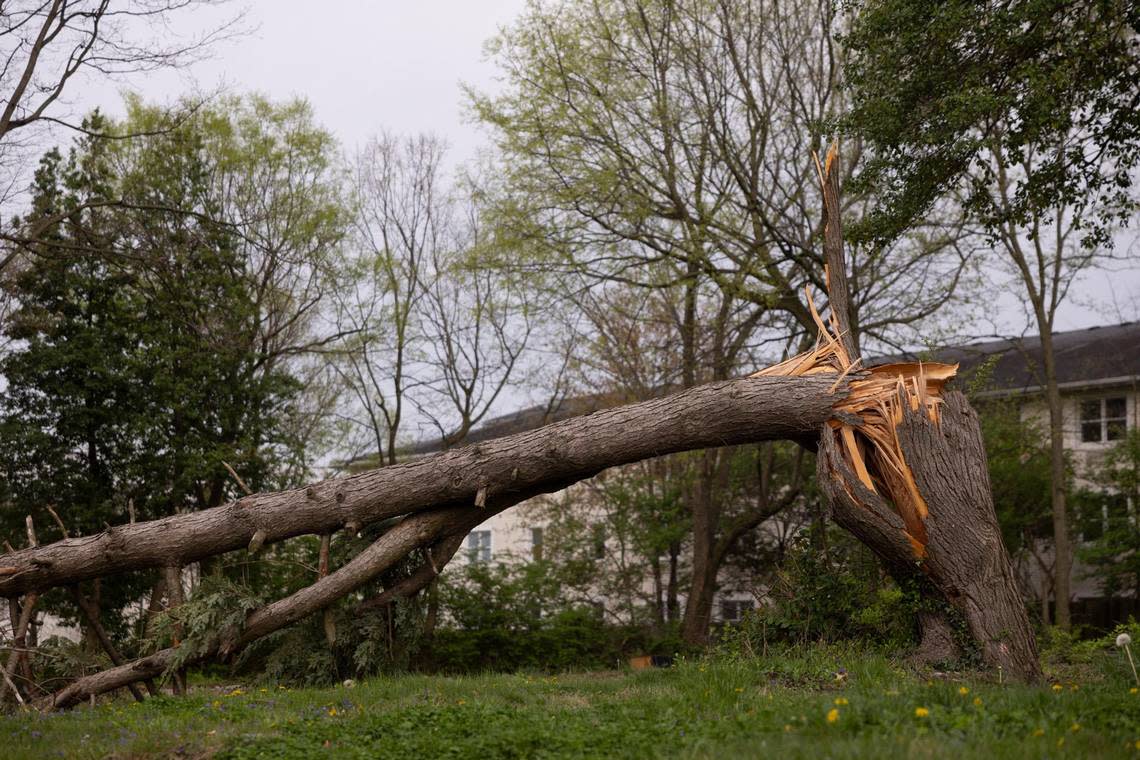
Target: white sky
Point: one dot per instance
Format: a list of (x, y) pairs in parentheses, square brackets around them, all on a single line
[(398, 65), (364, 66)]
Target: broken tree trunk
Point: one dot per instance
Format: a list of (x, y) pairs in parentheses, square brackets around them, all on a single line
[(736, 411), (908, 475)]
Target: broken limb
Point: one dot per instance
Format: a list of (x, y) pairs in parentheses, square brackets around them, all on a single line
[(386, 551)]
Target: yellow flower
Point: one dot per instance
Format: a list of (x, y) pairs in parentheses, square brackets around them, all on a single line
[(1138, 745), (832, 715), (1075, 727), (216, 703), (1133, 690), (236, 693), (1061, 742), (977, 701), (788, 729), (332, 712), (921, 712), (1057, 687), (841, 701), (462, 702), (1039, 732), (739, 689), (963, 690), (1073, 687)]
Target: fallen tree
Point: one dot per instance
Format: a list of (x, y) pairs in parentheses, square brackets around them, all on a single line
[(900, 460), (537, 461)]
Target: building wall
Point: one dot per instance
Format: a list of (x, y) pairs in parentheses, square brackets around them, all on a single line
[(512, 540), (1086, 457)]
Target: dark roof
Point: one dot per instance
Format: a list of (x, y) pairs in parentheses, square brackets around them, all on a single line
[(1096, 356)]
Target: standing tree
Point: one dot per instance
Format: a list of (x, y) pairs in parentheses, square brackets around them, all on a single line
[(1029, 110), (158, 354)]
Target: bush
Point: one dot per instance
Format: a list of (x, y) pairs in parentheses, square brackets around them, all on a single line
[(515, 616), (831, 593)]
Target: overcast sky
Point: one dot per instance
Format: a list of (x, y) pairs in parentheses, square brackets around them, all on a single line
[(364, 65), (384, 64)]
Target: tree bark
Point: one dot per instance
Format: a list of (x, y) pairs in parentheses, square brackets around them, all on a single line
[(963, 554), (737, 411), (926, 454), (1063, 553), (174, 598)]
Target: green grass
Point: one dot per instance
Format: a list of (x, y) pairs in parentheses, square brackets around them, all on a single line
[(772, 708)]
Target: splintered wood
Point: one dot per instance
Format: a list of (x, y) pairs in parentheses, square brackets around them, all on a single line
[(867, 428)]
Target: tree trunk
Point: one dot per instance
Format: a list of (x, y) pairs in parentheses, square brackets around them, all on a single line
[(737, 411), (1063, 559), (91, 613), (174, 598), (705, 510), (962, 552)]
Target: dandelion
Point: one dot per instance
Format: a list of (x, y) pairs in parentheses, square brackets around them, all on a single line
[(832, 715), (739, 689), (963, 690), (348, 683), (921, 712), (1073, 687), (977, 701), (462, 702), (788, 729), (1122, 642), (1058, 687), (332, 712), (1133, 690), (1075, 727), (1039, 732), (841, 701)]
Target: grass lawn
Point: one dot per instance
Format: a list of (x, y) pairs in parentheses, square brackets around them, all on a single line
[(777, 707)]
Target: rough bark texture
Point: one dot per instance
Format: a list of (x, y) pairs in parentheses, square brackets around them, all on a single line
[(964, 556), (937, 646), (737, 411)]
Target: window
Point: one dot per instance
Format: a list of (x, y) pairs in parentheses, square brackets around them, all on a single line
[(479, 546), (1099, 512), (1103, 419), (733, 610), (536, 544)]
